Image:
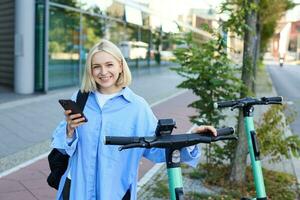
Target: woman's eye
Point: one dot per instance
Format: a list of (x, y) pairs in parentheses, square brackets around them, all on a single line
[(110, 65)]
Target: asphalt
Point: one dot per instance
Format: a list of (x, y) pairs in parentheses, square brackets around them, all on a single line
[(26, 124), (287, 83)]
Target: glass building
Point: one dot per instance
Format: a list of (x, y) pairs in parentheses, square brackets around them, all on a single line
[(64, 31)]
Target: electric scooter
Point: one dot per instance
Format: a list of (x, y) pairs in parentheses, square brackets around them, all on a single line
[(281, 62), (247, 105), (172, 145)]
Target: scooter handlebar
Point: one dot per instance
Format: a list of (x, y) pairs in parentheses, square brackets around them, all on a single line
[(120, 140), (278, 99), (224, 104), (248, 101), (170, 140)]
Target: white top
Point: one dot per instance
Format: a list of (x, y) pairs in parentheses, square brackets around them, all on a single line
[(103, 98)]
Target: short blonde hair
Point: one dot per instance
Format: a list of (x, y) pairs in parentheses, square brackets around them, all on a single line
[(88, 83)]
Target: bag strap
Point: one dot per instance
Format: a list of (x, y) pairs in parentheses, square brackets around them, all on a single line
[(81, 99)]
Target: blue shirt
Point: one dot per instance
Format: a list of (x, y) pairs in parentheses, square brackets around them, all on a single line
[(101, 171)]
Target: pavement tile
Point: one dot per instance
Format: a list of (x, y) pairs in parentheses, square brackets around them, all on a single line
[(44, 193), (20, 195), (35, 184), (8, 186), (26, 174)]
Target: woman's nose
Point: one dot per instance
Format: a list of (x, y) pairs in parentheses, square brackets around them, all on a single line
[(103, 70)]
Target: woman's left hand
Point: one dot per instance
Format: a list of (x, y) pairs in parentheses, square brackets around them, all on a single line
[(205, 129)]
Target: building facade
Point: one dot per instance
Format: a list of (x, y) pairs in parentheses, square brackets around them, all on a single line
[(44, 43)]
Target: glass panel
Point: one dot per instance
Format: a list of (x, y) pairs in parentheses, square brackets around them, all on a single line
[(146, 38), (106, 7), (93, 31), (63, 47), (39, 46), (72, 3), (132, 48), (116, 10), (146, 20), (116, 31)]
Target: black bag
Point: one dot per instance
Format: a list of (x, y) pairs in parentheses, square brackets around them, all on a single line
[(58, 162)]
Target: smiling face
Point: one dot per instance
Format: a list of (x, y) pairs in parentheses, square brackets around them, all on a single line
[(106, 70)]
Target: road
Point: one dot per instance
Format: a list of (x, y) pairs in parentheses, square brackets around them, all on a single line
[(286, 81)]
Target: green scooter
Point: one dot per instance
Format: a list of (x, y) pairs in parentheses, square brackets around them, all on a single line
[(172, 145), (247, 104)]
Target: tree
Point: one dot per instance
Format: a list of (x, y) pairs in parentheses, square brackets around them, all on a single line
[(250, 21), (209, 74), (270, 11), (240, 156)]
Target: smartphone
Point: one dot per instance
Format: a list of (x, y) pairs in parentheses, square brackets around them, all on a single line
[(68, 104)]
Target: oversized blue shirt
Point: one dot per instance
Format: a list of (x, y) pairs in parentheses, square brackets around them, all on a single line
[(101, 171)]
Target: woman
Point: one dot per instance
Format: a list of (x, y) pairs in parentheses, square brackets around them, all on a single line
[(98, 171)]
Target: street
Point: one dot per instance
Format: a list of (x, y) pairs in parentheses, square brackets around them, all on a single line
[(286, 81)]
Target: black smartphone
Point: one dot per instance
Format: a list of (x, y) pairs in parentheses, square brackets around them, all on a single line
[(68, 104)]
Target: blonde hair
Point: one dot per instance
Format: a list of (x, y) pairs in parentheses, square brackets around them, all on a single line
[(88, 83)]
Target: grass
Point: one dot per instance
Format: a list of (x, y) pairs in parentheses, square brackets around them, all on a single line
[(279, 185), (161, 189), (263, 84)]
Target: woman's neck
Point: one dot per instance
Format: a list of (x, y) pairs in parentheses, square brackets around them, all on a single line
[(109, 90)]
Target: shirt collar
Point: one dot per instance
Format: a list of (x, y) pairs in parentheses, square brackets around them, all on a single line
[(126, 93)]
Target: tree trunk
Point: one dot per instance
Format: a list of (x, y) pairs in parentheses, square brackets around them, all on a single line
[(239, 163), (256, 51)]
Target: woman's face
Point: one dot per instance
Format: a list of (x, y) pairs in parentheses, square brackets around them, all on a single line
[(106, 70)]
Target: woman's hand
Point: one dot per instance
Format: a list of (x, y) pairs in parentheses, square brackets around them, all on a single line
[(205, 129), (73, 121)]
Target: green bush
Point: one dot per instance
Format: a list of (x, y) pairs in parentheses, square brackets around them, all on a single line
[(274, 144)]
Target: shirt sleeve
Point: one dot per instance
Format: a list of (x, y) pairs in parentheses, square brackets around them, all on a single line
[(60, 140), (190, 156)]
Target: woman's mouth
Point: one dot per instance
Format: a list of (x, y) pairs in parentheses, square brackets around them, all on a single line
[(105, 78)]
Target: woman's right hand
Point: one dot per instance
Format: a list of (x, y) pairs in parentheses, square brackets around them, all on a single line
[(73, 121)]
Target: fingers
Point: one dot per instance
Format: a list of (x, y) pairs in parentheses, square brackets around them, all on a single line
[(74, 120), (205, 129)]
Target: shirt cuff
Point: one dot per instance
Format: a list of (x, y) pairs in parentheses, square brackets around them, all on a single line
[(71, 144), (193, 155), (70, 140)]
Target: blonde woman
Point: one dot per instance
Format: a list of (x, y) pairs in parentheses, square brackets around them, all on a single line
[(95, 170)]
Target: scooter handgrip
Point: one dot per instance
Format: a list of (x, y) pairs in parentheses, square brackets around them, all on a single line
[(224, 104), (273, 99), (119, 140), (225, 131)]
